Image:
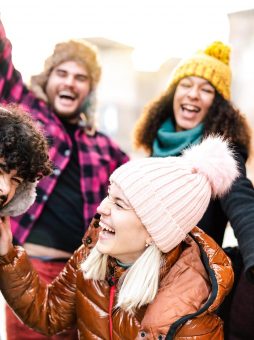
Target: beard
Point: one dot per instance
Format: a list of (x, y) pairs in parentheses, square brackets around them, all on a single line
[(72, 117)]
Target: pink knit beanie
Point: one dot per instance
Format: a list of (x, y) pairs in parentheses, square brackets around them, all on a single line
[(171, 194)]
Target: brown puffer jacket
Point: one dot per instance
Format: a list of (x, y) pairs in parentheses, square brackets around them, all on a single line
[(191, 289)]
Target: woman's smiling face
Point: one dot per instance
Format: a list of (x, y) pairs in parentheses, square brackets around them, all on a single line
[(123, 236), (192, 100)]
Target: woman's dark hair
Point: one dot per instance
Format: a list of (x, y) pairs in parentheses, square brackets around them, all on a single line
[(23, 145), (222, 118)]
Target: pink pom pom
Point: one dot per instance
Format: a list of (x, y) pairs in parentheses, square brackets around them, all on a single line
[(214, 159)]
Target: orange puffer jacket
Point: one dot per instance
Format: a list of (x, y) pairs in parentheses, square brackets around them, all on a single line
[(194, 279)]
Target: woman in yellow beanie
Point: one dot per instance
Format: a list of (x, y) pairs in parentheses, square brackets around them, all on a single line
[(144, 270), (195, 105)]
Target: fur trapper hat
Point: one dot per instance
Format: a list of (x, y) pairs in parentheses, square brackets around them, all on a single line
[(85, 54)]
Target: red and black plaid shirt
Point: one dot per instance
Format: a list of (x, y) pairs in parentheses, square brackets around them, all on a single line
[(99, 156)]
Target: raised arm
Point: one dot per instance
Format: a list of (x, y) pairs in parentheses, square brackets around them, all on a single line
[(11, 83), (48, 309)]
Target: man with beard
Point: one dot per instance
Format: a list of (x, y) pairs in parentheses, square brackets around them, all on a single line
[(62, 99)]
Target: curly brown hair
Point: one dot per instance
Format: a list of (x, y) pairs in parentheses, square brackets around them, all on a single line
[(23, 145), (222, 118)]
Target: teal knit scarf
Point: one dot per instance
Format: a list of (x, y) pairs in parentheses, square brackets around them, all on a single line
[(168, 142)]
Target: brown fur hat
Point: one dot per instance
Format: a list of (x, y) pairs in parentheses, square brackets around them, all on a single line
[(80, 51)]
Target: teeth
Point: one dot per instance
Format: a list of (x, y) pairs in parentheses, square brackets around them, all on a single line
[(190, 107), (105, 227), (67, 94)]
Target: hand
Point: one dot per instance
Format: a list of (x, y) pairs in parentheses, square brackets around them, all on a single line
[(5, 235)]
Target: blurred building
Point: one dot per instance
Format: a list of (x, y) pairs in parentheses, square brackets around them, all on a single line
[(242, 61), (124, 90)]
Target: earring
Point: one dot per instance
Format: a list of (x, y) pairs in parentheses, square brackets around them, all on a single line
[(148, 244)]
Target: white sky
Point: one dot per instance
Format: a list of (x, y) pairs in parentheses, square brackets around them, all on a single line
[(157, 29)]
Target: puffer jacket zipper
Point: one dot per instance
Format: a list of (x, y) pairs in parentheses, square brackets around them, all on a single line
[(112, 294)]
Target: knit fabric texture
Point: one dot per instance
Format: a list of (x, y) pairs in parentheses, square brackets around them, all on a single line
[(211, 64), (171, 194)]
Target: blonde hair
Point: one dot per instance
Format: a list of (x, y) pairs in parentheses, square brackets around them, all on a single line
[(139, 284), (95, 265)]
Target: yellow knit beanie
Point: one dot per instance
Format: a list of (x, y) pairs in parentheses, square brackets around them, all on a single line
[(211, 64)]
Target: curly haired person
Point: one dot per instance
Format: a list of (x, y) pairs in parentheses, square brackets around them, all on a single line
[(62, 99), (23, 160), (197, 104)]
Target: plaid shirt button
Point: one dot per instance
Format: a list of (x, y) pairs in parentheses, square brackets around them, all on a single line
[(67, 152), (56, 172), (32, 217), (44, 198)]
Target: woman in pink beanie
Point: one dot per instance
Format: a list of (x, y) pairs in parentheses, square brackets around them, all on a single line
[(144, 271)]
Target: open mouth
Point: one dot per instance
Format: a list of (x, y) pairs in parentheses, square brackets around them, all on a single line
[(106, 230), (67, 95), (190, 108)]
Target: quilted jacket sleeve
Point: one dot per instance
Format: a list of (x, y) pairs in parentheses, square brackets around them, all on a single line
[(211, 325), (48, 309)]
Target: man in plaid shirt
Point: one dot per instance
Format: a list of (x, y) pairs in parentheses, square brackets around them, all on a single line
[(61, 99)]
